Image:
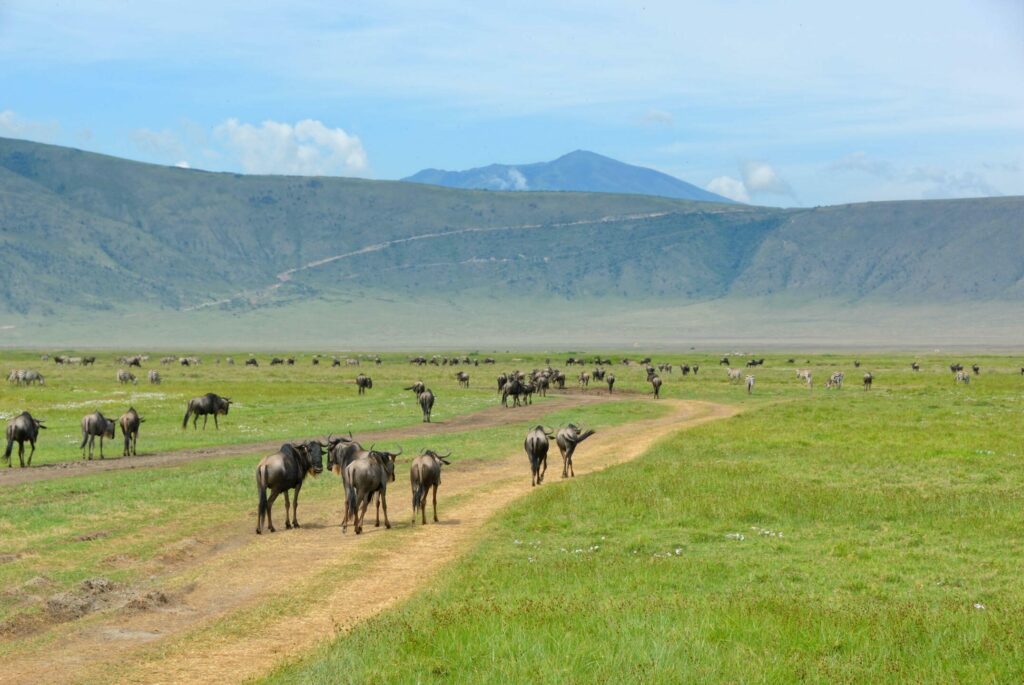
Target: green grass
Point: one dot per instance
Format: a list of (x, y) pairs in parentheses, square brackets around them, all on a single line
[(837, 537)]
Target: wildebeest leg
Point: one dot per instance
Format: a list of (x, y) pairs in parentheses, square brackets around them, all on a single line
[(377, 524), (435, 504), (572, 473), (295, 506), (382, 501), (565, 463), (215, 423), (32, 444), (287, 511), (270, 505), (544, 469), (361, 505), (206, 418), (101, 447)]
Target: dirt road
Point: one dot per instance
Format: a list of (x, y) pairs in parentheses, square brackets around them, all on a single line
[(242, 600)]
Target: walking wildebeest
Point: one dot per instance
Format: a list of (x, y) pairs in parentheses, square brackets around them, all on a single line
[(868, 379), (424, 475), (611, 382), (536, 446), (502, 380), (463, 379), (209, 403), (426, 400), (366, 477), (93, 425), (656, 384), (363, 382), (130, 422), (282, 471), (416, 387), (567, 439), (344, 451), (125, 377), (20, 429), (154, 377)]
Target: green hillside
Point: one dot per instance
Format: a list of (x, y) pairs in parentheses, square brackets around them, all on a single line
[(92, 243)]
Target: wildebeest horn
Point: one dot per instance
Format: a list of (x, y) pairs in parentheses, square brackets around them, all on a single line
[(395, 454), (445, 456)]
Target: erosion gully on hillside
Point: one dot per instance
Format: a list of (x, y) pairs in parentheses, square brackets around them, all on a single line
[(220, 625)]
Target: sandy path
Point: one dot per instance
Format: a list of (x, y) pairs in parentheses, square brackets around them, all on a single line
[(492, 417), (222, 629)]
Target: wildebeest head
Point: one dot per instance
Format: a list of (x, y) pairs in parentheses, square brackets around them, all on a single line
[(223, 406), (315, 456), (443, 458), (387, 460)]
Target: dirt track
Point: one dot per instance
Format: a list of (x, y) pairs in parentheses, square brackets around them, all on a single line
[(485, 418), (219, 628)]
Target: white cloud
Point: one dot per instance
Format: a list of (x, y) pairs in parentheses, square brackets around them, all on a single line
[(512, 180), (183, 165), (307, 148), (761, 177), (14, 126), (659, 117), (729, 187)]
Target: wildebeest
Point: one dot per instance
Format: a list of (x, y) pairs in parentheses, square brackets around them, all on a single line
[(20, 429), (915, 366), (290, 361), (536, 446), (424, 475), (567, 439), (154, 377), (126, 377), (599, 374), (316, 361), (856, 363), (282, 471), (724, 361), (868, 380), (976, 369), (463, 378), (130, 422), (93, 425), (502, 380), (209, 403), (514, 388), (416, 387), (363, 382), (611, 381), (655, 382), (276, 361), (365, 477), (695, 369), (584, 379), (750, 384), (251, 362), (230, 361), (426, 400), (956, 367)]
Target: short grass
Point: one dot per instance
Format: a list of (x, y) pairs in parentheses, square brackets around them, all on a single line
[(835, 537)]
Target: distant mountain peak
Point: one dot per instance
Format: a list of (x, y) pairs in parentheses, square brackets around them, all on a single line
[(577, 171)]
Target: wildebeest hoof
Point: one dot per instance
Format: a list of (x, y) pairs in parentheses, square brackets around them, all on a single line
[(388, 526), (259, 532), (295, 525), (288, 526), (273, 530)]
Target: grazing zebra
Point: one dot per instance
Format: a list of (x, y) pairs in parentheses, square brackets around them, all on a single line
[(836, 380), (734, 375), (125, 377), (868, 378), (962, 377), (154, 377), (750, 384)]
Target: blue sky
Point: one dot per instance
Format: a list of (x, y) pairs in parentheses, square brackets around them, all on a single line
[(796, 103)]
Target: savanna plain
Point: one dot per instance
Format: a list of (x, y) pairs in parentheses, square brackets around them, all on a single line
[(791, 533)]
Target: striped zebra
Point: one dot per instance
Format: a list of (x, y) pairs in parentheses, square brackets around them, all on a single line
[(750, 384), (962, 377), (836, 380)]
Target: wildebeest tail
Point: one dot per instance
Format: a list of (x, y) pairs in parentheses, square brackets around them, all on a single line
[(350, 502), (10, 447), (188, 411), (418, 493)]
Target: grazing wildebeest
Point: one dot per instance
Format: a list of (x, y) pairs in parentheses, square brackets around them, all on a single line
[(32, 376), (463, 379), (655, 382), (363, 382), (89, 361), (130, 422), (282, 471), (956, 367), (734, 375), (366, 477), (126, 377), (252, 362), (424, 475), (868, 380), (611, 382), (585, 379), (724, 361), (209, 403), (567, 439), (750, 384), (290, 361), (416, 387), (20, 429), (976, 369), (154, 377), (915, 366), (93, 425), (536, 446), (276, 361), (426, 400)]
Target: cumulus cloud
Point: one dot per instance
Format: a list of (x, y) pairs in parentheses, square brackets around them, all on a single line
[(761, 177), (861, 162), (512, 180), (183, 165), (659, 117), (14, 126), (729, 187), (306, 148)]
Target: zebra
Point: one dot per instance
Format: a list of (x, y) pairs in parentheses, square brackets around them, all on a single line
[(836, 380), (750, 384)]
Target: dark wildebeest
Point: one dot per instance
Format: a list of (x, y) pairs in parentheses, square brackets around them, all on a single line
[(316, 361), (536, 446), (514, 388), (611, 382), (584, 379), (656, 384), (463, 378), (426, 400), (915, 366), (93, 425), (276, 361), (20, 429), (695, 369), (283, 471), (424, 474), (290, 361), (363, 382), (365, 477), (567, 439), (204, 406), (856, 363), (251, 362), (130, 422), (868, 378), (976, 369), (599, 374), (89, 361), (724, 361), (416, 387), (502, 380)]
